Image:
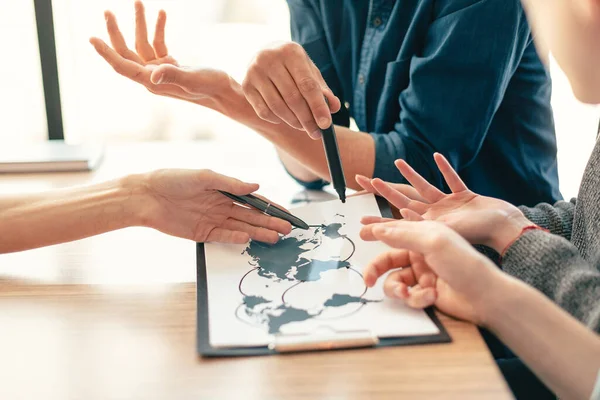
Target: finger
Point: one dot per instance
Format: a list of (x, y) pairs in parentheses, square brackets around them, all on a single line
[(210, 180), (187, 79), (425, 276), (311, 105), (396, 198), (419, 297), (287, 93), (366, 233), (142, 46), (408, 191), (426, 189), (410, 215), (365, 183), (333, 101), (159, 44), (255, 232), (383, 263), (260, 106), (121, 65), (373, 219), (396, 283), (221, 235), (428, 280), (450, 176), (259, 219), (116, 38), (421, 237)]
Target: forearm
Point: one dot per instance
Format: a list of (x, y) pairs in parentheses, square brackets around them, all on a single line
[(65, 215), (295, 168), (560, 350), (570, 29), (357, 149)]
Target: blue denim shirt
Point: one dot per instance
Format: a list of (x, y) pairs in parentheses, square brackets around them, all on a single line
[(461, 77)]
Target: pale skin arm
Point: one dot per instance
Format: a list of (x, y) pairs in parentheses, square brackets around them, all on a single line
[(303, 156), (442, 269), (152, 67), (65, 215), (567, 360), (182, 203), (570, 30)]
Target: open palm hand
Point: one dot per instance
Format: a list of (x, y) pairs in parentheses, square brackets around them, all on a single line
[(479, 219), (151, 62), (187, 204)]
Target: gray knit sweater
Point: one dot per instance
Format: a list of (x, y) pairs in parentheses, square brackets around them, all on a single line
[(565, 264)]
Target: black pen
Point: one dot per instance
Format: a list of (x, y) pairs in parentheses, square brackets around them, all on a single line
[(267, 208), (334, 162)]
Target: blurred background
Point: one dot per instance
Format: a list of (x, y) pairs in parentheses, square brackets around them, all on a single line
[(99, 105)]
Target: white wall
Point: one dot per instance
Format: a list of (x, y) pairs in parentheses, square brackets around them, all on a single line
[(576, 128)]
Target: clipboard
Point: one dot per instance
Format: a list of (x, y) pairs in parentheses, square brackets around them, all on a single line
[(298, 343)]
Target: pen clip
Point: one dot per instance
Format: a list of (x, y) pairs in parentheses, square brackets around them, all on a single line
[(266, 212)]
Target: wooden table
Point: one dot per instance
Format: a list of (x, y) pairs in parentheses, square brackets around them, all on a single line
[(114, 317)]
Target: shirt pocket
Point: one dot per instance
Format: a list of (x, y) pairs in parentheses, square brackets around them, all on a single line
[(318, 52)]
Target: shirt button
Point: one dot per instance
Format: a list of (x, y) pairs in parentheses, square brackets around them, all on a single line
[(361, 79), (377, 21)]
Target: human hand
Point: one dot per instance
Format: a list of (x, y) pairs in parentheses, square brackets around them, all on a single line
[(283, 84), (432, 265), (187, 204), (479, 219), (152, 66)]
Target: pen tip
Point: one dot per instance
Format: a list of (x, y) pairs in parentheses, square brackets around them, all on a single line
[(341, 193)]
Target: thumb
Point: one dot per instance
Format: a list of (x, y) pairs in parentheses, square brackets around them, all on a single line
[(333, 101), (410, 215), (171, 74), (214, 181)]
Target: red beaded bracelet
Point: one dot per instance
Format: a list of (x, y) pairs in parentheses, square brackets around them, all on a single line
[(525, 229)]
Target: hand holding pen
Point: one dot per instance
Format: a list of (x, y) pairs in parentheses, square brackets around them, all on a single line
[(267, 208), (295, 91)]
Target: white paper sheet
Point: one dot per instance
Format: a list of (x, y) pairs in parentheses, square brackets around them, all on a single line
[(310, 280)]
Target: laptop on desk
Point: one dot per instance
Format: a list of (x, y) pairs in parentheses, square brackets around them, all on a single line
[(50, 156)]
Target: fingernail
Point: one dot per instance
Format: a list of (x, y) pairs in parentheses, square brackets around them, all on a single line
[(386, 231), (316, 134), (429, 297), (398, 291), (160, 79), (324, 123)]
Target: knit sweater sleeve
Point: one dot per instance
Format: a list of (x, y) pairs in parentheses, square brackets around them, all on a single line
[(554, 266), (557, 218)]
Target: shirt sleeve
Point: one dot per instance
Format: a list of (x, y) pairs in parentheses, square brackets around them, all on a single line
[(557, 218), (461, 75), (555, 267), (307, 30)]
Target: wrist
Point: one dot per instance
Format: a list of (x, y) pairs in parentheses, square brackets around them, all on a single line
[(507, 231), (230, 101), (137, 201)]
